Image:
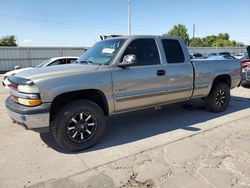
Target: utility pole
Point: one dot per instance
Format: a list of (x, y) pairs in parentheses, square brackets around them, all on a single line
[(193, 31), (129, 17), (17, 42)]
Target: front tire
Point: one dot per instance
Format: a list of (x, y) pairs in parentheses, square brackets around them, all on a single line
[(218, 98), (78, 125)]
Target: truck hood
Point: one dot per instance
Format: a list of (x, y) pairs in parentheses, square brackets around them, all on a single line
[(56, 71), (13, 72)]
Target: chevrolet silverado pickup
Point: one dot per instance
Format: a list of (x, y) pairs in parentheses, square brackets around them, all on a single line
[(116, 76)]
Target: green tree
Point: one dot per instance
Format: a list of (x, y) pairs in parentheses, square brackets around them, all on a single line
[(8, 41), (224, 36), (196, 42), (179, 31), (234, 43), (220, 40), (222, 43), (209, 40), (239, 44)]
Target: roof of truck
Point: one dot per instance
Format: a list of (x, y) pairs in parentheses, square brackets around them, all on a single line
[(142, 36)]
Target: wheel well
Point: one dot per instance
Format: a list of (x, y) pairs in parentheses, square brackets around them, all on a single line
[(93, 95), (225, 78)]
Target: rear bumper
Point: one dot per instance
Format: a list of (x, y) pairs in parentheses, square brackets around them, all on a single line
[(30, 117)]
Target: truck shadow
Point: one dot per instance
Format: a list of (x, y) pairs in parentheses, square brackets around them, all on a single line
[(134, 126)]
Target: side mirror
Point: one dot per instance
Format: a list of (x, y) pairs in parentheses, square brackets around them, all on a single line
[(128, 60), (17, 67)]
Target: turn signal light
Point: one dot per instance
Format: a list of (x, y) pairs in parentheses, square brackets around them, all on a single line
[(29, 102)]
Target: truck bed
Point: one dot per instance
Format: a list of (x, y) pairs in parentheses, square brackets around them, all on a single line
[(205, 71)]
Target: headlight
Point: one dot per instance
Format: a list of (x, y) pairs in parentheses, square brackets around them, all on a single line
[(27, 95), (28, 88)]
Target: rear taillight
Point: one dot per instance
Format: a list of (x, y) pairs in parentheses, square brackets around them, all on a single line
[(244, 65), (245, 62)]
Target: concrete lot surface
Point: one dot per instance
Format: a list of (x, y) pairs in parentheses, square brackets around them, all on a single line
[(181, 145)]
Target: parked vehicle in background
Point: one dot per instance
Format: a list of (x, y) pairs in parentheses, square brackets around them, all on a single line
[(229, 57), (245, 76), (245, 57), (46, 63), (212, 54), (221, 57), (240, 55), (245, 73), (197, 56), (116, 76), (225, 53), (248, 52)]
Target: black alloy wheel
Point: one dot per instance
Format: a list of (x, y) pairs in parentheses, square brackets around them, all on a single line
[(81, 127)]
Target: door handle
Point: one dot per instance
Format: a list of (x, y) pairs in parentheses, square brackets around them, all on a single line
[(161, 72)]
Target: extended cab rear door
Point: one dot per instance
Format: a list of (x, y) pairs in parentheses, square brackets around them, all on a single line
[(142, 84), (179, 70)]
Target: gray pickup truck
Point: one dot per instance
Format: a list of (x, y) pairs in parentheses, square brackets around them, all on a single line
[(116, 76)]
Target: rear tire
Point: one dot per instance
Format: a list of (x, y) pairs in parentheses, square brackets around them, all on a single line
[(78, 125), (218, 98)]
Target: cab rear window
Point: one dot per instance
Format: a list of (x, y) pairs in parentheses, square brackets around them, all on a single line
[(173, 51)]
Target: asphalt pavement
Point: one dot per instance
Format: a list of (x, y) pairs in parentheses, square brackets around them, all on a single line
[(32, 159)]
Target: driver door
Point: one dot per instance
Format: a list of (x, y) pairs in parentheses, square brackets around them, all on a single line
[(143, 84)]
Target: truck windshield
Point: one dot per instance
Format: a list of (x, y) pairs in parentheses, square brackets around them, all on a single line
[(102, 52), (43, 63)]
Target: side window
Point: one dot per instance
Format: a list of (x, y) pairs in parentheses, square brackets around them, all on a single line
[(58, 62), (70, 61), (145, 50), (173, 51)]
